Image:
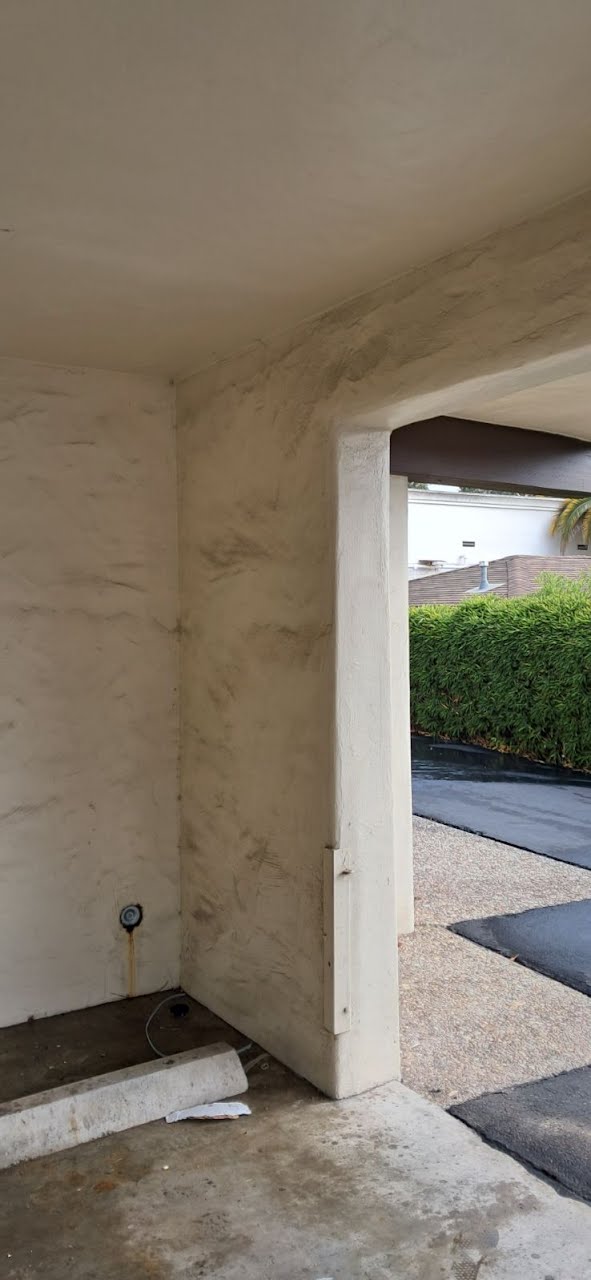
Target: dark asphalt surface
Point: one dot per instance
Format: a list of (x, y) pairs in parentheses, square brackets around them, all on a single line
[(555, 941), (547, 1123), (532, 806)]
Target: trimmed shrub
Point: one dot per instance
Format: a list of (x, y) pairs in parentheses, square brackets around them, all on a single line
[(510, 674)]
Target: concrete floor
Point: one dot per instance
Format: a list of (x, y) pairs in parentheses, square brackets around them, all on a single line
[(46, 1052), (471, 1020), (381, 1187)]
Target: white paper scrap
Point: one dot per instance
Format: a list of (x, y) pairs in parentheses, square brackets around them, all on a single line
[(211, 1111)]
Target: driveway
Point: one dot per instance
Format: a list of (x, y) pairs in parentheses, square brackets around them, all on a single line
[(474, 1022), (532, 806)]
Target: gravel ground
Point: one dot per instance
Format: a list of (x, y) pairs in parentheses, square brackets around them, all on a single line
[(459, 876), (473, 1021)]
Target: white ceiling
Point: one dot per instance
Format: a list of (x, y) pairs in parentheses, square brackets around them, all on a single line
[(180, 177), (563, 406)]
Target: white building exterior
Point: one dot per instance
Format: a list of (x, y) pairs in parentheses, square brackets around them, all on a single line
[(447, 529)]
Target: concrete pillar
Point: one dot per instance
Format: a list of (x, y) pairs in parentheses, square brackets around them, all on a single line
[(367, 1044), (401, 770), (289, 907)]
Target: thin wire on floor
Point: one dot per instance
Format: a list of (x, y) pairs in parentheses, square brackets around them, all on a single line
[(160, 1053)]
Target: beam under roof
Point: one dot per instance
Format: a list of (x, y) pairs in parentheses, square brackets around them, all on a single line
[(484, 455)]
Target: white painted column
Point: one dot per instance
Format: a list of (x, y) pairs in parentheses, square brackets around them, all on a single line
[(401, 767), (360, 898)]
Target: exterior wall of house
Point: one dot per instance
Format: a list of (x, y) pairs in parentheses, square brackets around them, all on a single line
[(497, 524), (286, 727), (88, 748)]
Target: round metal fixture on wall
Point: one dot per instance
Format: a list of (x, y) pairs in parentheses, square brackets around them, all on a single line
[(130, 916)]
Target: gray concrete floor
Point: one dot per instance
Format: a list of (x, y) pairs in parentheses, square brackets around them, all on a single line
[(46, 1052), (471, 1020), (381, 1187)]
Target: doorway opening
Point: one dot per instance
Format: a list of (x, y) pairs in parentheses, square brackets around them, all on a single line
[(495, 978)]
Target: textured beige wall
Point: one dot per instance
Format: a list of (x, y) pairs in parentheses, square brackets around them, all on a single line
[(88, 742), (258, 562), (256, 593)]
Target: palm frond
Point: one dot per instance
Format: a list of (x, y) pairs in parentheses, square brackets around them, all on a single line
[(586, 526), (574, 515)]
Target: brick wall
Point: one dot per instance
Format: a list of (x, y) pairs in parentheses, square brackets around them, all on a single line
[(517, 574)]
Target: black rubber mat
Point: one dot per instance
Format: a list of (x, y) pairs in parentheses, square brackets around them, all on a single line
[(555, 941), (546, 1123), (532, 806)]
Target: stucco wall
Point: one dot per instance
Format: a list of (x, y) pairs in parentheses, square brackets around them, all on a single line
[(259, 538), (88, 743), (256, 595)]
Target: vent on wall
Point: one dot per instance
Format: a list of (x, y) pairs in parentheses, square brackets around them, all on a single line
[(582, 546), (468, 544)]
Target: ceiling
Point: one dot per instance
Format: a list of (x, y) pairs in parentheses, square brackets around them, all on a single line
[(181, 177), (562, 406)]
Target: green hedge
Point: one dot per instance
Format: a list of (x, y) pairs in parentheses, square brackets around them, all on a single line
[(511, 674)]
